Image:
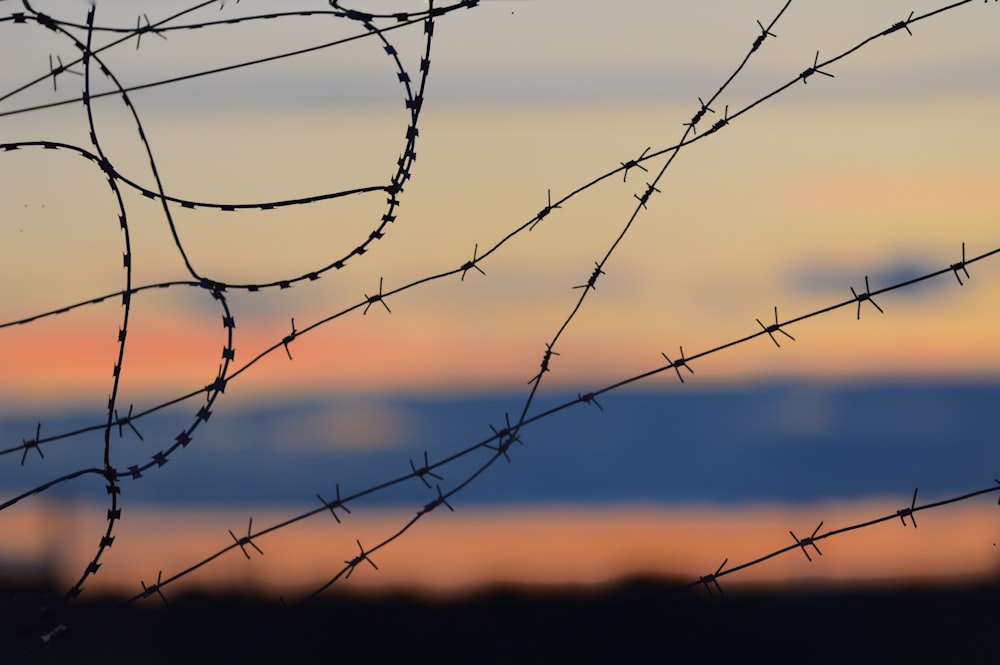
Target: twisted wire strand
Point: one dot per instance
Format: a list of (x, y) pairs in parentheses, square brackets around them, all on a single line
[(502, 439)]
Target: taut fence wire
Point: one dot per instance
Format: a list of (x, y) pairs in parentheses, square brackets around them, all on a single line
[(91, 78)]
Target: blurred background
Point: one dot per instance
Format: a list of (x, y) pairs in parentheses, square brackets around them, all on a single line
[(880, 173)]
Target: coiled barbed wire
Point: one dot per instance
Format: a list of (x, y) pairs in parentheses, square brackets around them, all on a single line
[(378, 27)]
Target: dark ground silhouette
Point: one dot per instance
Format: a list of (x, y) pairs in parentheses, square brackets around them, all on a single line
[(635, 621)]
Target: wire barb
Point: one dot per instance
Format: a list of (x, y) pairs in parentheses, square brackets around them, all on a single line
[(592, 280), (141, 29), (148, 591), (544, 212), (764, 34), (698, 116), (713, 578), (246, 540), (634, 164), (908, 512), (377, 298), (289, 338), (899, 25), (428, 507), (814, 70), (770, 330), (721, 122), (505, 438), (590, 398), (808, 541), (955, 267), (425, 470), (127, 420), (644, 198), (32, 443), (470, 265), (56, 70), (546, 357), (353, 563), (867, 295), (678, 364), (332, 505)]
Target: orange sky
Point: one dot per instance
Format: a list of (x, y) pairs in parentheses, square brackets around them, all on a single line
[(470, 548), (695, 271)]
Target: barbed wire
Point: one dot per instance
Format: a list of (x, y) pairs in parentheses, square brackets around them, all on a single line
[(478, 258), (712, 579), (502, 439), (499, 444), (413, 102)]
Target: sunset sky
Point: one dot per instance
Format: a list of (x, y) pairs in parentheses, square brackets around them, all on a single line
[(883, 170)]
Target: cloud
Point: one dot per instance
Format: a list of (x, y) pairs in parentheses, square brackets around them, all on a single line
[(358, 424), (818, 277)]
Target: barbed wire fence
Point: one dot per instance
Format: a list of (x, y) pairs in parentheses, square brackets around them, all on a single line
[(91, 40)]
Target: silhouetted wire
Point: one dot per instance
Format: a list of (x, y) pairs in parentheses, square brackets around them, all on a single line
[(802, 543), (503, 438), (185, 77)]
